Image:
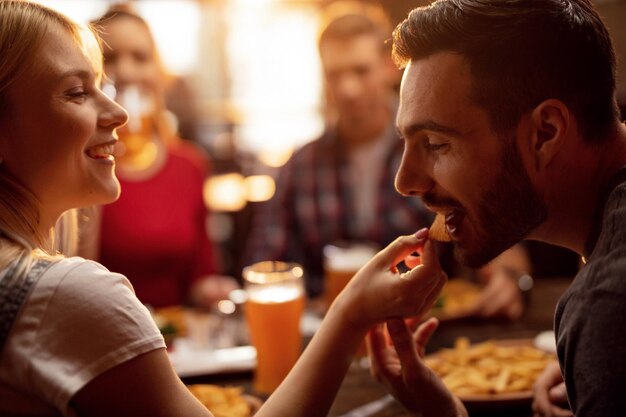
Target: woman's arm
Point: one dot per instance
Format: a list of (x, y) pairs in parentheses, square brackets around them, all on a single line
[(143, 386)]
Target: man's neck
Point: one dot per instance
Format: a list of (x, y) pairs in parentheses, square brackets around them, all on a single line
[(577, 194)]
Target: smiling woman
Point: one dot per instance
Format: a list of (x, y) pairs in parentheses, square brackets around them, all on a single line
[(52, 160)]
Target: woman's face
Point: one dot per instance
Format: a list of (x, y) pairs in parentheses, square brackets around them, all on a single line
[(129, 54), (58, 133)]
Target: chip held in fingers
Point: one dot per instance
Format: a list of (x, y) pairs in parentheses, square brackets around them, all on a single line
[(438, 229)]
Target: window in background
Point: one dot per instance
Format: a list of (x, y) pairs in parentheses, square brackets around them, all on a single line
[(275, 73), (174, 23)]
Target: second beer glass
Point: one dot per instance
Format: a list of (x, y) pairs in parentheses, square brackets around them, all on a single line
[(273, 310)]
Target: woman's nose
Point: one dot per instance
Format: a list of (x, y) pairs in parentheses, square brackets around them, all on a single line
[(112, 115)]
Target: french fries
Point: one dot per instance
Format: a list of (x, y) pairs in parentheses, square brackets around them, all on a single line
[(488, 368), (221, 401)]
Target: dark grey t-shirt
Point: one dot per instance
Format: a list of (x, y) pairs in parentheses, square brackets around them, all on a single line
[(590, 318)]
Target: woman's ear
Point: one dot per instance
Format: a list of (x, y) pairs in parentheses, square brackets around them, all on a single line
[(550, 122)]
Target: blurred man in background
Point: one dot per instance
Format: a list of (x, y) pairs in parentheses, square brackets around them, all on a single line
[(340, 187)]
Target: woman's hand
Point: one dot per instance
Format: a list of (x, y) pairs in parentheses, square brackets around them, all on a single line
[(379, 292), (550, 398), (401, 369)]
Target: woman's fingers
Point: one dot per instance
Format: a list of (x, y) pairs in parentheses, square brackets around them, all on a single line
[(400, 248)]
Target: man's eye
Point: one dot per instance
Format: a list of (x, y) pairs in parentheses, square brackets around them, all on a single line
[(435, 146)]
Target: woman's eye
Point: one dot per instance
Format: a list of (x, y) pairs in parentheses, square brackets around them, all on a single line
[(77, 94)]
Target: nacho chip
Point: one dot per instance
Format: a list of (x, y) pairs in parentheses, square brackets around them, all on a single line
[(438, 230)]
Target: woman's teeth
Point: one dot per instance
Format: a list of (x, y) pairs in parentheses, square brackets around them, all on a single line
[(100, 152)]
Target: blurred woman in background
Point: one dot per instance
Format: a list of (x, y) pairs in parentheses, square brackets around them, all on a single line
[(156, 233)]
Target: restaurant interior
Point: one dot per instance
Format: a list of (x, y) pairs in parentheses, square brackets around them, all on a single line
[(245, 84)]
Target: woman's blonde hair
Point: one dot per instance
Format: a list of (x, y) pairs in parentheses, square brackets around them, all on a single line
[(23, 26)]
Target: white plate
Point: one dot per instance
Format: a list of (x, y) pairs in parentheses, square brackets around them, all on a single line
[(188, 361), (546, 341)]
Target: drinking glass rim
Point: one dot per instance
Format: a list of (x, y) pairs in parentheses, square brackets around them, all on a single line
[(266, 272)]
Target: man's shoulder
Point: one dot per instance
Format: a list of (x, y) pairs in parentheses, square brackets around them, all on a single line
[(323, 145)]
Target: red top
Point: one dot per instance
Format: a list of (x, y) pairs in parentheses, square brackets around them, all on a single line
[(155, 234)]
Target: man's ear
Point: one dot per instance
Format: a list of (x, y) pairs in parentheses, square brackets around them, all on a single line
[(550, 122)]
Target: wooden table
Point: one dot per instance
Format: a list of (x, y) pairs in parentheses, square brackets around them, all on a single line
[(359, 388)]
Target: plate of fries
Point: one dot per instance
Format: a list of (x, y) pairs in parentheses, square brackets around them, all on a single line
[(457, 300), (225, 401), (493, 374)]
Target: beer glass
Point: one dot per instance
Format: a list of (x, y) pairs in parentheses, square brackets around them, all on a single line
[(341, 261), (273, 310)]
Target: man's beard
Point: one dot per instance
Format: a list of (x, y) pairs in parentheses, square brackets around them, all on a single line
[(510, 209)]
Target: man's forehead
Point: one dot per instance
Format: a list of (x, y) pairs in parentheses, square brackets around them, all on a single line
[(437, 88)]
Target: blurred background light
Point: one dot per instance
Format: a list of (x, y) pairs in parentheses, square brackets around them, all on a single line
[(226, 192), (275, 157), (259, 188)]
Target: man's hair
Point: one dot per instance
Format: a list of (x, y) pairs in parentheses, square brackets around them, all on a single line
[(343, 21), (520, 53)]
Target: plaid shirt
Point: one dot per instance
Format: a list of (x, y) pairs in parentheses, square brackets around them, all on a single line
[(314, 206)]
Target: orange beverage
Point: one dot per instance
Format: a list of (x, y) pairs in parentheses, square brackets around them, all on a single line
[(341, 261), (273, 311), (336, 280)]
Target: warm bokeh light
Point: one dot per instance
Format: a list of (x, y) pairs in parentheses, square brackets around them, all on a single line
[(275, 72), (275, 157), (259, 188), (225, 192), (178, 45)]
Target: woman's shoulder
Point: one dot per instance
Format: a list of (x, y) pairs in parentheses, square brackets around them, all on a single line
[(76, 274)]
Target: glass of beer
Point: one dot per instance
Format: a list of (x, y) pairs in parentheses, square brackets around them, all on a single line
[(273, 310), (341, 261)]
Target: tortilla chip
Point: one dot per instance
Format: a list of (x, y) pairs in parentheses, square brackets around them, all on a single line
[(438, 229)]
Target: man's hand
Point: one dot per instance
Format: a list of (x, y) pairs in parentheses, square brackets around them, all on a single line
[(501, 297), (550, 398), (401, 369)]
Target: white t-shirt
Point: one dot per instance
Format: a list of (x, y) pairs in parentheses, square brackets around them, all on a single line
[(366, 163), (78, 321)]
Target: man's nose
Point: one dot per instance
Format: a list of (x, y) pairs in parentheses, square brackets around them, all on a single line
[(349, 87), (412, 179)]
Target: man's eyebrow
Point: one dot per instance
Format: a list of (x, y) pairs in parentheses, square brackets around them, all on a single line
[(429, 125)]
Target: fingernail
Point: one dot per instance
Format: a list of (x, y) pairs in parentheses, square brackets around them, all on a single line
[(422, 233)]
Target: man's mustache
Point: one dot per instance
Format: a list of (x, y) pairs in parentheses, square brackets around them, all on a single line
[(432, 200)]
